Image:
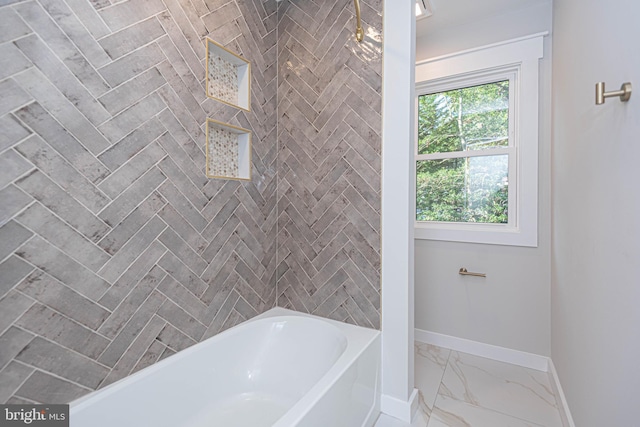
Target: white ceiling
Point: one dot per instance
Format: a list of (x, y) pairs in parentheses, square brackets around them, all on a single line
[(449, 13)]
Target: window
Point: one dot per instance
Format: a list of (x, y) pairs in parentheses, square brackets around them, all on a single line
[(477, 145)]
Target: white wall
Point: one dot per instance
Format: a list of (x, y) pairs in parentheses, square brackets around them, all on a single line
[(596, 200), (463, 24), (511, 307)]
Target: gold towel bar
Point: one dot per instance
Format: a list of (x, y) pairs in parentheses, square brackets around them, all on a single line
[(463, 272)]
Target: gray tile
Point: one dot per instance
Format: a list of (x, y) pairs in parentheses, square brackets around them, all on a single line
[(62, 47), (234, 319), (132, 329), (65, 238), (182, 137), (172, 265), (38, 119), (52, 293), (183, 298), (174, 339), (62, 78), (129, 66), (11, 377), (170, 216), (63, 110), (151, 356), (13, 201), (89, 17), (131, 197), (123, 177), (131, 38), (192, 53), (370, 290), (12, 235), (218, 275), (18, 400), (12, 167), (41, 154), (226, 307), (62, 204), (70, 23), (46, 355), (12, 306), (177, 61), (120, 153), (12, 96), (220, 208), (138, 347), (122, 232), (12, 271), (183, 92), (183, 205), (222, 25), (245, 309), (132, 302), (189, 21), (12, 131), (181, 320), (133, 117), (49, 259), (183, 184), (12, 341), (186, 164), (12, 26), (42, 387), (138, 269), (129, 12), (364, 265), (181, 113), (121, 261), (132, 91), (46, 323), (12, 61), (167, 352)]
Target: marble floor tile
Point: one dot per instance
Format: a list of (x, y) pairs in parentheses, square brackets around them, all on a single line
[(430, 364), (454, 413), (508, 389), (462, 390)]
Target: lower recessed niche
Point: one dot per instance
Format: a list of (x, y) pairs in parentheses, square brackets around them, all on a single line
[(228, 151)]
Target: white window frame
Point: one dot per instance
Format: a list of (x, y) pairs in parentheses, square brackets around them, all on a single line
[(516, 60)]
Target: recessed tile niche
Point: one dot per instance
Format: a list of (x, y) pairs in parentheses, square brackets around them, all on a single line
[(228, 151), (228, 76)]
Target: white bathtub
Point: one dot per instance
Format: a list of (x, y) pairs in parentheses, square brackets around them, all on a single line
[(280, 369)]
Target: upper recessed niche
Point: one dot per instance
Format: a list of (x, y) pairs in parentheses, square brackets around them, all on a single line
[(228, 76)]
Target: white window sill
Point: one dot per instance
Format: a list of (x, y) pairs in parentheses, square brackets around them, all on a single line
[(491, 234)]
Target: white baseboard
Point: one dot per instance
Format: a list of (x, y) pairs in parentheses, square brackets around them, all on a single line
[(502, 354), (567, 419), (400, 409)]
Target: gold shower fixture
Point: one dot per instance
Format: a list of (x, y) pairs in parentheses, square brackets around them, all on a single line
[(359, 30)]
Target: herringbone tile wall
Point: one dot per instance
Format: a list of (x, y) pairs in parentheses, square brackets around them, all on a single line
[(329, 135), (115, 250)]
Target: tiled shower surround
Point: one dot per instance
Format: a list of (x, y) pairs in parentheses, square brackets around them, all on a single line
[(329, 123), (115, 250)]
